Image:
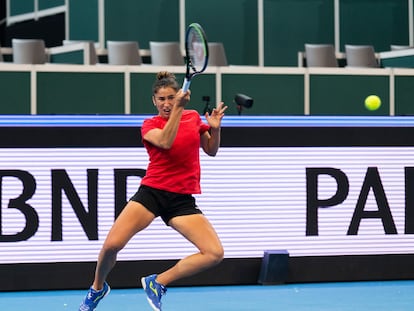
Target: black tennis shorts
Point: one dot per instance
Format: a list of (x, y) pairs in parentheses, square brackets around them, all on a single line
[(166, 204)]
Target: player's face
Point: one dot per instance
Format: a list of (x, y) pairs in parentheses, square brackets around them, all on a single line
[(164, 100)]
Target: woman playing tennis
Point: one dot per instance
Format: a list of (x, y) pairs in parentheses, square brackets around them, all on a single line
[(173, 139)]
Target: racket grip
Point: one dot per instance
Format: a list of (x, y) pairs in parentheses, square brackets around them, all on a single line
[(186, 85)]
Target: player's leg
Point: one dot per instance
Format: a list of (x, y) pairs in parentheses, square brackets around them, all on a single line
[(134, 218), (199, 231)]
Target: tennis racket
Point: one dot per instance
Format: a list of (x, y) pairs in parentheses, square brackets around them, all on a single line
[(196, 53)]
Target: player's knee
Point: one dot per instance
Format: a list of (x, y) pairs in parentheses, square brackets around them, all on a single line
[(216, 255), (111, 248)]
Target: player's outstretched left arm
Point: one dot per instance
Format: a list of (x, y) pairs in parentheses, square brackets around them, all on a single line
[(210, 141)]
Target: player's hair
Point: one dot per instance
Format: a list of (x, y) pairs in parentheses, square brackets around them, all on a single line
[(165, 79)]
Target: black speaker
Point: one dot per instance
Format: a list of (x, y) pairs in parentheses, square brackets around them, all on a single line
[(275, 266)]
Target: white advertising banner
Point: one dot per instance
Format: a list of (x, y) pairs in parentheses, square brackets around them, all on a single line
[(57, 204)]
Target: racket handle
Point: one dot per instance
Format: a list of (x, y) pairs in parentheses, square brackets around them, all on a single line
[(186, 85)]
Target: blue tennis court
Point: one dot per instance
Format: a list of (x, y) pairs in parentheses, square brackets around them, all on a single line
[(352, 296)]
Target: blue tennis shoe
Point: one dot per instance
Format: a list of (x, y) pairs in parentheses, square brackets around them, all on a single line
[(154, 291), (94, 297)]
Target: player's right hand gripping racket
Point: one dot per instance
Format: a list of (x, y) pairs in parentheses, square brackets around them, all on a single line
[(196, 53)]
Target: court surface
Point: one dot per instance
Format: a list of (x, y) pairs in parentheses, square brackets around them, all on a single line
[(352, 296)]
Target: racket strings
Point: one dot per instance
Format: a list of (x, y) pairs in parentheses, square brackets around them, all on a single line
[(190, 63), (198, 49)]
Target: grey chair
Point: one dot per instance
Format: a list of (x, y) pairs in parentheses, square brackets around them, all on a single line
[(320, 55), (166, 53), (123, 53), (217, 54), (396, 47), (360, 56), (29, 51), (93, 57)]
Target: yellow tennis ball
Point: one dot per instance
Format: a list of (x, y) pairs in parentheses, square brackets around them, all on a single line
[(372, 102)]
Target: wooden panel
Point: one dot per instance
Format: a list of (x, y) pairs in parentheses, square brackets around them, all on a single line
[(289, 24), (48, 4), (404, 94), (83, 20), (80, 93), (278, 94), (15, 92), (142, 21), (376, 22), (345, 94), (232, 22), (18, 7)]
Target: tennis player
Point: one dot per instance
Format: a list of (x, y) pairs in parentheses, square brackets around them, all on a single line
[(173, 139)]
